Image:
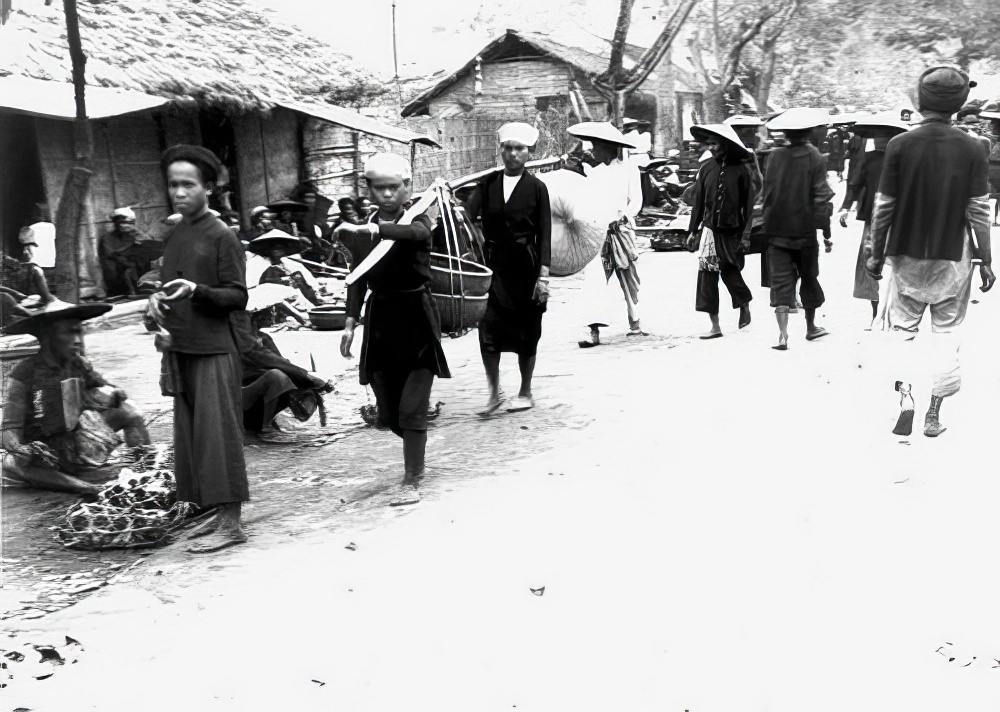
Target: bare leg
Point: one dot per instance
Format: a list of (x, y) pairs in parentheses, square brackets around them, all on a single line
[(228, 530), (491, 362), (716, 328), (813, 331), (46, 478), (527, 367), (874, 309), (781, 314)]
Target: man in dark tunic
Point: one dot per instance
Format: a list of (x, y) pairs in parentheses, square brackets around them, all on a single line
[(721, 220), (203, 283), (862, 188), (401, 350), (932, 197), (517, 227), (796, 205), (50, 441)]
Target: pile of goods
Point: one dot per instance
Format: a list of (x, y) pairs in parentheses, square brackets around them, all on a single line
[(139, 509)]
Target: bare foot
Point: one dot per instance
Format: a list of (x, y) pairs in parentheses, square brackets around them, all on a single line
[(218, 540), (205, 529)]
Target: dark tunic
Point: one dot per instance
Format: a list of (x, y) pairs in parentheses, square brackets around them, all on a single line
[(202, 370), (864, 185), (518, 243), (796, 194), (932, 171), (835, 162), (796, 205), (402, 328)]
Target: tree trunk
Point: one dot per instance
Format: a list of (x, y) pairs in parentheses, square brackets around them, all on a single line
[(71, 206), (766, 79), (715, 104)]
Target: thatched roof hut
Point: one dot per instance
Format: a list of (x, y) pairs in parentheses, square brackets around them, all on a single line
[(520, 72), (220, 53), (263, 96)]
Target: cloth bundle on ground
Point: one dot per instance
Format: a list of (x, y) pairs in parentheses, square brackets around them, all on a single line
[(138, 509)]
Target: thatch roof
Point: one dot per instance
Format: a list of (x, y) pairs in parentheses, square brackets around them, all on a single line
[(589, 55), (215, 52)]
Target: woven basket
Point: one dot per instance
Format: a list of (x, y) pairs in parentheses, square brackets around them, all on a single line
[(13, 350), (579, 225), (452, 275), (328, 318), (459, 314)]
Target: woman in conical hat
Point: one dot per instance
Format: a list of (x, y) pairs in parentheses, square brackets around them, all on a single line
[(721, 220), (862, 189)]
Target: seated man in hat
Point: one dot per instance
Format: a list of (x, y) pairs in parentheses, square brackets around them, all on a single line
[(60, 414), (276, 246), (272, 383), (116, 251)]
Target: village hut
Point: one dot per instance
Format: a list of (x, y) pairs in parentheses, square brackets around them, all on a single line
[(218, 73), (532, 75)]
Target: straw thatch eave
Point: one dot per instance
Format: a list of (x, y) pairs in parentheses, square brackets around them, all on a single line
[(213, 53)]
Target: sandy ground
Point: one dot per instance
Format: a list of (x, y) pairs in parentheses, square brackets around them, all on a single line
[(717, 526)]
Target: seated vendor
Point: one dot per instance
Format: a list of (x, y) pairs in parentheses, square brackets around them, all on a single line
[(116, 250), (60, 415), (276, 246), (271, 383)]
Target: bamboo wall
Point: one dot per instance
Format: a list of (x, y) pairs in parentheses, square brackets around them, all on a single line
[(335, 157), (512, 88), (268, 157)]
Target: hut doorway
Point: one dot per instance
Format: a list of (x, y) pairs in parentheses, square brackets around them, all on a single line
[(22, 189), (219, 136)]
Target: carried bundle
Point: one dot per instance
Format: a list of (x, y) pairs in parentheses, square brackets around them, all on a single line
[(578, 226), (139, 509)]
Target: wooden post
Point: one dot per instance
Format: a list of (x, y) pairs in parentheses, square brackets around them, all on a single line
[(111, 165), (356, 140), (78, 181)]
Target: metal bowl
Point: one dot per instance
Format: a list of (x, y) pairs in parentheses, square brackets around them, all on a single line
[(328, 318)]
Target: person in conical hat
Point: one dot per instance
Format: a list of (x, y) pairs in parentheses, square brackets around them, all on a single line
[(928, 242), (861, 189), (60, 415), (517, 229), (796, 205), (721, 220), (616, 183), (401, 351)]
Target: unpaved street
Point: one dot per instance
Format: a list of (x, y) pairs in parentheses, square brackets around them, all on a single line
[(717, 526)]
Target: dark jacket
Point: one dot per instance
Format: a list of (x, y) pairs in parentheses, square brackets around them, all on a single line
[(796, 194), (724, 196), (932, 172), (864, 185), (210, 255)]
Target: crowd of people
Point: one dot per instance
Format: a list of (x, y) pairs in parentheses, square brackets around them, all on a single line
[(212, 290)]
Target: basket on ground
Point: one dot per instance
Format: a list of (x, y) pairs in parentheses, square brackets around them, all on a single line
[(328, 318)]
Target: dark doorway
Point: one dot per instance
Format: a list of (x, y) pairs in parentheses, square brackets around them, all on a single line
[(218, 136), (21, 186)]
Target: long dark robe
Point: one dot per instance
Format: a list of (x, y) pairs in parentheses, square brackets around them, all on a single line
[(202, 370), (402, 328), (518, 243)]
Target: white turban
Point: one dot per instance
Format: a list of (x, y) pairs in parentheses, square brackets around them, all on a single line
[(125, 213), (43, 236), (388, 164), (518, 132)]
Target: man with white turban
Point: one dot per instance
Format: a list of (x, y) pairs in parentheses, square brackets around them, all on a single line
[(517, 227), (401, 350)]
